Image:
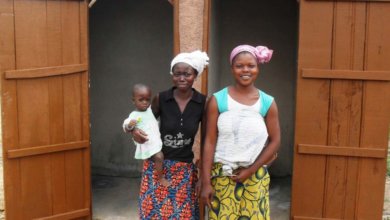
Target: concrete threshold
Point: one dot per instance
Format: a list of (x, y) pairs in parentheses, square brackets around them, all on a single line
[(115, 198)]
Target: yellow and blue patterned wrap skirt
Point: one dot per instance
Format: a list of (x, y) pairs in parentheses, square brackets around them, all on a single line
[(240, 201)]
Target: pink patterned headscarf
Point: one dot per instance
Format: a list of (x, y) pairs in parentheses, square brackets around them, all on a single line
[(261, 53)]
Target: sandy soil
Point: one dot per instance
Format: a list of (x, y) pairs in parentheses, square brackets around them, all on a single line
[(386, 207)]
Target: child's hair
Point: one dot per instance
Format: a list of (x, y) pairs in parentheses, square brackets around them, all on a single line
[(138, 87)]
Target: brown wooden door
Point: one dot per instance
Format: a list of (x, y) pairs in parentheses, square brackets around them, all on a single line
[(343, 110), (44, 94)]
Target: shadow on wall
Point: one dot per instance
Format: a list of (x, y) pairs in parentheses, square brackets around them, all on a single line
[(116, 157)]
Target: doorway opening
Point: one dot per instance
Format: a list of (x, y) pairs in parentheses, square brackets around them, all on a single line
[(130, 42), (273, 24)]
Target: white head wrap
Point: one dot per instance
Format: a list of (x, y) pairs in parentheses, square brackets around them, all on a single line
[(197, 60)]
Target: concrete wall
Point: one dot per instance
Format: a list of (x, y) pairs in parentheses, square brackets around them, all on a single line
[(191, 25), (271, 23), (130, 42)]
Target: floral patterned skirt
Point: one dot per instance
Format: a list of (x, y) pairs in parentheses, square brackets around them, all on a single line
[(247, 200), (177, 201)]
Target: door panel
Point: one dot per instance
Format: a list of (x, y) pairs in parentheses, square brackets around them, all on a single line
[(315, 31), (342, 116), (45, 109)]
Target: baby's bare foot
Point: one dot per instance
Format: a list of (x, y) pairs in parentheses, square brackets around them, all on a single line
[(164, 182)]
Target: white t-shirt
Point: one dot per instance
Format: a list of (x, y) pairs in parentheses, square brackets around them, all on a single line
[(242, 135), (147, 123)]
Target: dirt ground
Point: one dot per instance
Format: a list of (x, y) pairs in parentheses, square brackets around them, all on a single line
[(386, 207)]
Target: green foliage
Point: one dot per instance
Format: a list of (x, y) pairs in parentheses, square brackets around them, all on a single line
[(388, 165)]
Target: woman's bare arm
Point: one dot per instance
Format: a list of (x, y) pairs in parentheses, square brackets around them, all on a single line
[(208, 150)]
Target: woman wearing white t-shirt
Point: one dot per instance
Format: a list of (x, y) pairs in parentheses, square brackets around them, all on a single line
[(242, 136)]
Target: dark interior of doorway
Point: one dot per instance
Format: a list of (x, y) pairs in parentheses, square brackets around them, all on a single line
[(273, 24), (130, 42)]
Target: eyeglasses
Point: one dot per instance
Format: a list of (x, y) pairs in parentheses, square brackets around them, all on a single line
[(186, 75)]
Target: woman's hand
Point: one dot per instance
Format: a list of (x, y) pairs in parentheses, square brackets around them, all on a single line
[(139, 136), (207, 194), (198, 188), (269, 162), (241, 174)]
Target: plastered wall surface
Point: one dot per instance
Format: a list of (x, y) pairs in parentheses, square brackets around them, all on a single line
[(130, 42), (191, 24), (270, 23)]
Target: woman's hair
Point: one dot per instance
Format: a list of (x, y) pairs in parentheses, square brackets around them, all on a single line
[(261, 53)]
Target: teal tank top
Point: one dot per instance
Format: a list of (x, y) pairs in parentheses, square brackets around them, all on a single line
[(265, 101)]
